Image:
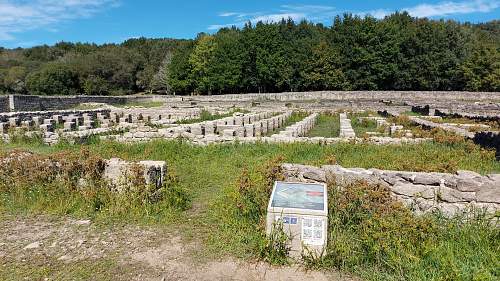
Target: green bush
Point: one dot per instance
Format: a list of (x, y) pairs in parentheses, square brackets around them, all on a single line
[(72, 183), (375, 236)]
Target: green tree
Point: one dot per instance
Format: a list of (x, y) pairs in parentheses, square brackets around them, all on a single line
[(95, 85), (179, 71), (14, 80), (323, 71), (481, 71), (53, 79), (200, 60), (225, 69)]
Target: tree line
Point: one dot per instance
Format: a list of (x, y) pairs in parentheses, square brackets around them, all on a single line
[(398, 52), (136, 65)]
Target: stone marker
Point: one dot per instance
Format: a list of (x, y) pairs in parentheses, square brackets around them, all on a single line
[(119, 173), (302, 210)]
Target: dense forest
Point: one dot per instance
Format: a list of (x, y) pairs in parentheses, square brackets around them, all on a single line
[(355, 53)]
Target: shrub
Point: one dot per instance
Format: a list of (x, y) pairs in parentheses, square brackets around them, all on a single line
[(72, 183), (374, 235), (276, 246)]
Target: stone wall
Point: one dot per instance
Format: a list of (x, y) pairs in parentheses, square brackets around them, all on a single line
[(4, 104), (120, 173), (489, 140), (451, 194), (38, 103), (358, 95), (31, 103), (28, 115)]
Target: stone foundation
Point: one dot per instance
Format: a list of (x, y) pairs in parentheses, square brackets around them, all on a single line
[(450, 194), (122, 174)]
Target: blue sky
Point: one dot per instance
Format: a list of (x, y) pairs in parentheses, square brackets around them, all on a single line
[(24, 23)]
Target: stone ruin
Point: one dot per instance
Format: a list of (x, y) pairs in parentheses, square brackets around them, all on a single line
[(449, 194), (118, 175), (266, 118)]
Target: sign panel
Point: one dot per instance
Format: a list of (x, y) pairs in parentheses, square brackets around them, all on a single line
[(288, 220), (313, 231), (299, 196)]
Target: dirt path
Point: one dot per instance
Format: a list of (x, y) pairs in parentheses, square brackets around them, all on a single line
[(44, 248)]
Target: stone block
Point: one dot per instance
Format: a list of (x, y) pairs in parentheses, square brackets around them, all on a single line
[(240, 132), (121, 173), (229, 120), (90, 123), (250, 130), (4, 128), (88, 117), (393, 129), (70, 126), (83, 128), (238, 120), (28, 124), (57, 118), (427, 179), (14, 122), (489, 194), (196, 129), (47, 128), (209, 128), (37, 120), (450, 195), (49, 121), (413, 190), (228, 133)]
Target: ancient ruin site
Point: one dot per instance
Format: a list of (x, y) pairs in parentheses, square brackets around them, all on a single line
[(250, 140), (176, 188)]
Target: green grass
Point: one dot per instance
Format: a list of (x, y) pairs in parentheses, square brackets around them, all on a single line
[(363, 126), (411, 113), (327, 125), (210, 174), (205, 115), (146, 104), (86, 107)]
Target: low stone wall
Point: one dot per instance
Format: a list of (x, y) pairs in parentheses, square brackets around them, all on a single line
[(38, 103), (346, 130), (298, 129), (489, 140), (450, 194), (4, 103), (356, 96), (122, 174), (119, 175), (42, 103), (31, 103), (28, 115)]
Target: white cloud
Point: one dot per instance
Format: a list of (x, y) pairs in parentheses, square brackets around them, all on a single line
[(278, 17), (219, 26), (442, 9), (20, 16), (227, 14), (449, 8), (294, 12)]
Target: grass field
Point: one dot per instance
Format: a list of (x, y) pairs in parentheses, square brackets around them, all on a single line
[(327, 125), (396, 246), (207, 116)]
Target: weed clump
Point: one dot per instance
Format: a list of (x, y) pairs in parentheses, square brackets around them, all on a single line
[(372, 234), (72, 182), (276, 247)]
